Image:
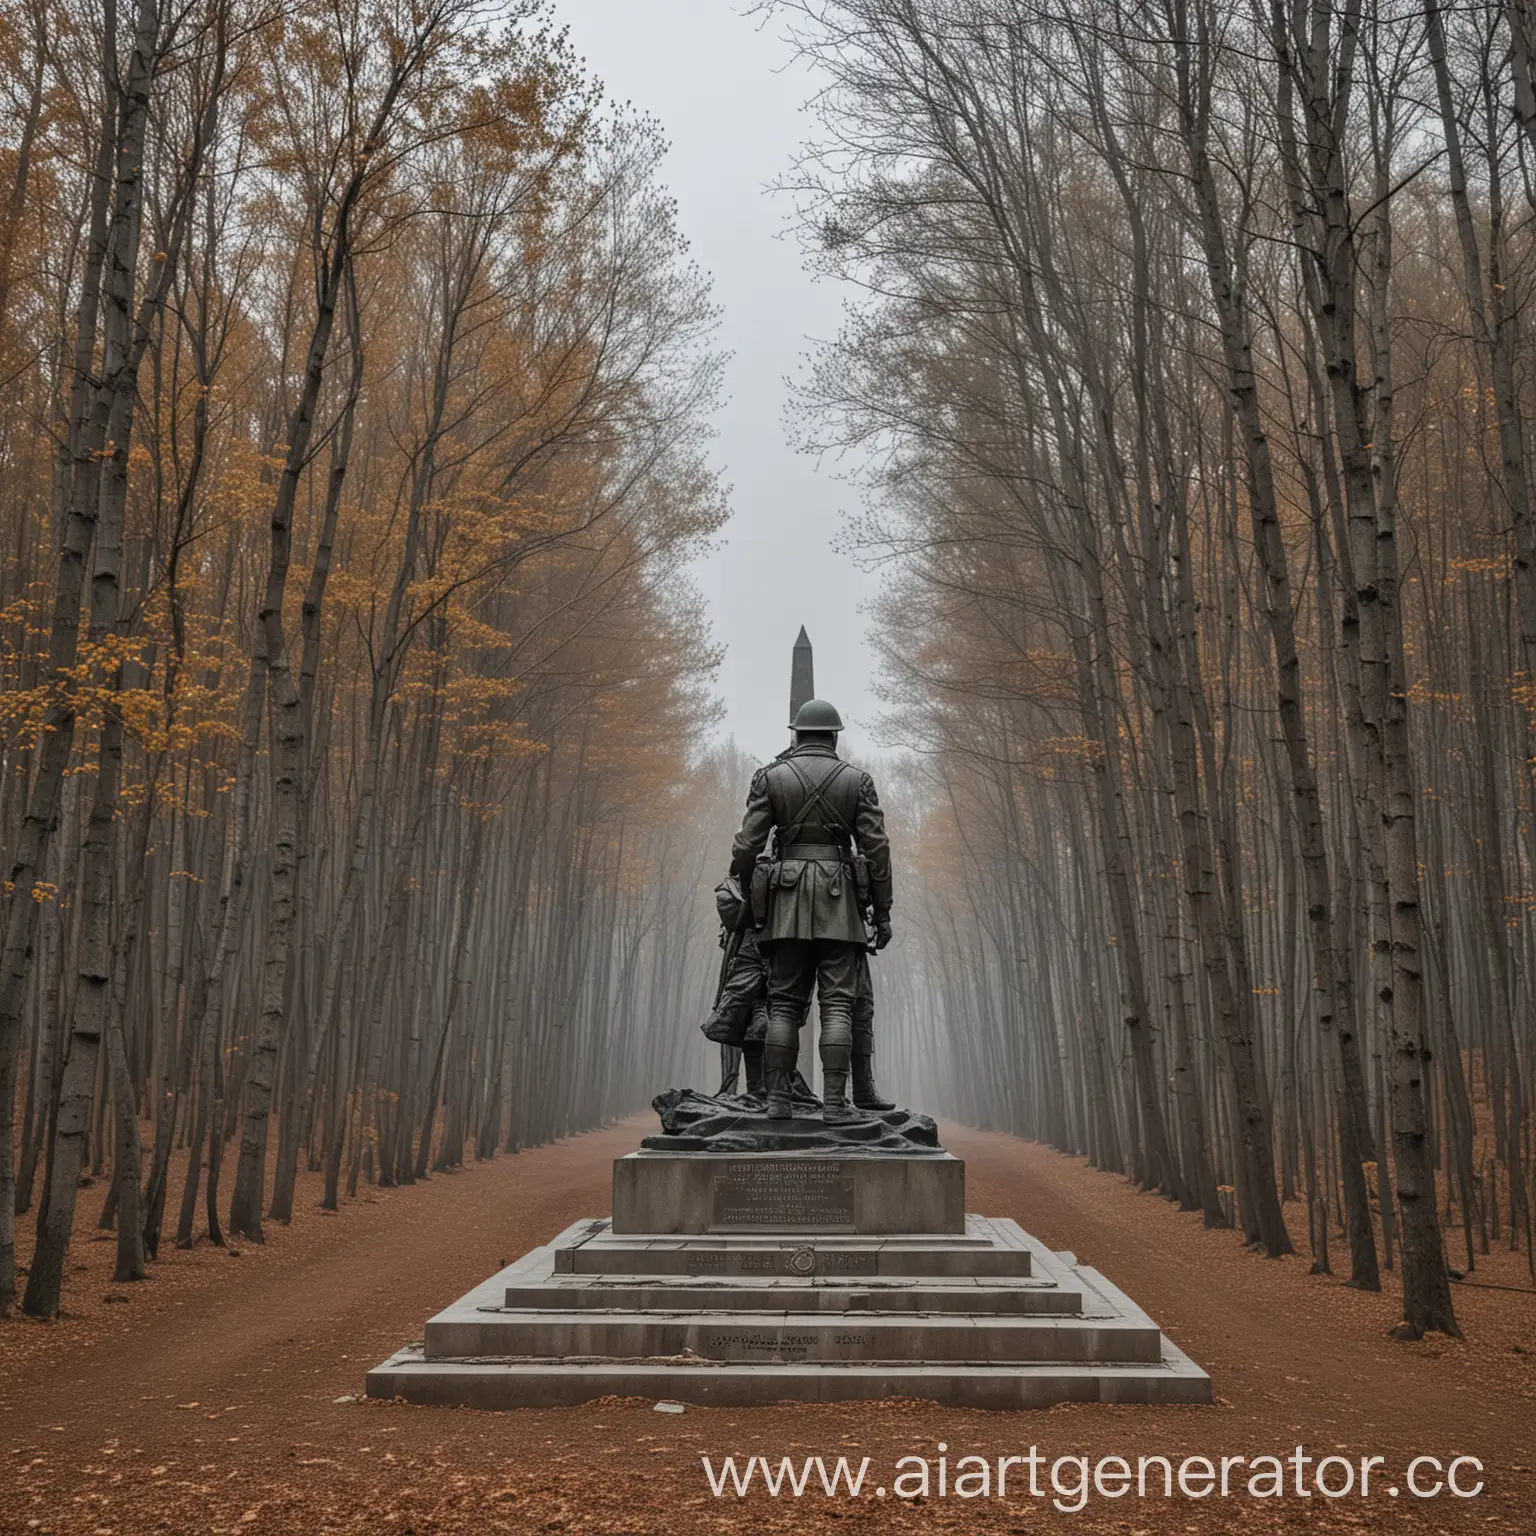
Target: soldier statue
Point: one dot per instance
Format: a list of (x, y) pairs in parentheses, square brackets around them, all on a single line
[(830, 863), (739, 1019)]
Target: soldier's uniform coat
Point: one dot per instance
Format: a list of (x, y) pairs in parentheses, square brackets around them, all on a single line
[(822, 808), (820, 811)]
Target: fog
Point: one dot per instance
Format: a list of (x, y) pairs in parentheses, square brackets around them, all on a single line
[(729, 98)]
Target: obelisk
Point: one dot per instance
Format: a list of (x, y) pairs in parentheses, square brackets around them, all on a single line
[(802, 686), (802, 674)]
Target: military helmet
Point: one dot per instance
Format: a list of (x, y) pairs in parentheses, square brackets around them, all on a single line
[(816, 715)]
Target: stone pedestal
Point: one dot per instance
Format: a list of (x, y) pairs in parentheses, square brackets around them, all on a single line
[(873, 1195), (735, 1281)]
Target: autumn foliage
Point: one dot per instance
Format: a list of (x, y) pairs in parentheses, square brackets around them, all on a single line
[(356, 382)]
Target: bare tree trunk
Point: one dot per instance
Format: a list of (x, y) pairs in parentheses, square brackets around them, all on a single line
[(86, 433), (1332, 982), (284, 713)]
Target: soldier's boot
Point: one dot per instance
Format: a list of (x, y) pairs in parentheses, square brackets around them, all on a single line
[(778, 1070), (835, 1108), (836, 1044), (752, 1060), (865, 1094)]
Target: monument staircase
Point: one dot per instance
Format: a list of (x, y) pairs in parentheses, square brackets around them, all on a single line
[(814, 1275)]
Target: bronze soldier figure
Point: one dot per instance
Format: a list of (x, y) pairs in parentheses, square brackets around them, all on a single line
[(830, 862), (739, 1019), (865, 1094)]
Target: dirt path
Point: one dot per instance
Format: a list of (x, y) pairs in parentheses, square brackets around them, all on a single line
[(207, 1401)]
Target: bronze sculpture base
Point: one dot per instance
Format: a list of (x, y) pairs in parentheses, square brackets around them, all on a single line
[(704, 1122)]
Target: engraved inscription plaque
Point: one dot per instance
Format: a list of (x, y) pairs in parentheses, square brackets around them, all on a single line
[(767, 1193), (736, 1346), (836, 1263)]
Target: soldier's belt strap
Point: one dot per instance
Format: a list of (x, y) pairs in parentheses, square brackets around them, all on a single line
[(826, 852)]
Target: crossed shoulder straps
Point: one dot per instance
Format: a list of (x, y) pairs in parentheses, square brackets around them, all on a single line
[(815, 794)]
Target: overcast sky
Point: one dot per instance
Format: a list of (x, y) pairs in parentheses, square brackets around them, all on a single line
[(724, 90)]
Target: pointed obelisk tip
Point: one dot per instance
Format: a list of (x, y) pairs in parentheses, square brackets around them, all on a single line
[(802, 674)]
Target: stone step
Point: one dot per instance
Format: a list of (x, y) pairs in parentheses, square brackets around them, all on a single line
[(631, 1293), (569, 1347), (1172, 1378), (782, 1338), (987, 1248)]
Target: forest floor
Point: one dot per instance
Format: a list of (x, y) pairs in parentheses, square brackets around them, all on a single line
[(224, 1395)]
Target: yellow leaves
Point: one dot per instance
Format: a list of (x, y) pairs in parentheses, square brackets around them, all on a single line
[(94, 687), (144, 717), (1421, 692), (22, 611), (22, 710), (1073, 749), (241, 490), (470, 692), (473, 633), (353, 590), (495, 742), (1491, 565)]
